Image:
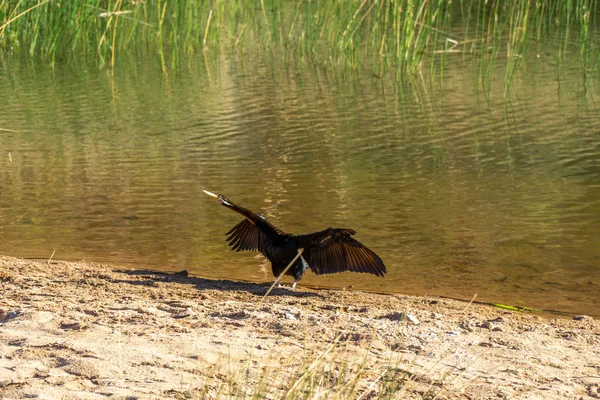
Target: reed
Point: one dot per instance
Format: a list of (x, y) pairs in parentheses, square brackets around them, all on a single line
[(401, 35)]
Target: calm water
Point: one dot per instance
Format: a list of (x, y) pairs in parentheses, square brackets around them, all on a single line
[(459, 191)]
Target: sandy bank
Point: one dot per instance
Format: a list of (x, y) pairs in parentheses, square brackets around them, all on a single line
[(89, 331)]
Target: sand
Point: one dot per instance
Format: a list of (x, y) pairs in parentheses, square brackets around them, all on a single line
[(87, 331)]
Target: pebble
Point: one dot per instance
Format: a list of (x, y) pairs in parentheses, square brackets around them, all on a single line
[(290, 316), (583, 318), (467, 325), (73, 326), (235, 315), (400, 316), (415, 347), (6, 314), (491, 325), (412, 319), (487, 325), (80, 367)]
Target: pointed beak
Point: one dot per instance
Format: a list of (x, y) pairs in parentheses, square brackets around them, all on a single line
[(211, 194), (220, 198)]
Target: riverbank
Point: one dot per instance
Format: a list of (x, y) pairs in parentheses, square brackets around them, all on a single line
[(89, 331)]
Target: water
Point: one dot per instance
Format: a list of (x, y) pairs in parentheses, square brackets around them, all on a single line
[(460, 191)]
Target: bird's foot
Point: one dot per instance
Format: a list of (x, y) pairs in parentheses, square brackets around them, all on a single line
[(291, 288)]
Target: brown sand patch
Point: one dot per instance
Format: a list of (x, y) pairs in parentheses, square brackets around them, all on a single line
[(83, 330)]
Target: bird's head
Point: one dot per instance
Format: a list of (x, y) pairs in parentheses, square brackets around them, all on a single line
[(220, 198)]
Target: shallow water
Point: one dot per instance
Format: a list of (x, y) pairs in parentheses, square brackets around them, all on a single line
[(459, 190)]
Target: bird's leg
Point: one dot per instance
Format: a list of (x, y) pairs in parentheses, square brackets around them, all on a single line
[(298, 276), (300, 250)]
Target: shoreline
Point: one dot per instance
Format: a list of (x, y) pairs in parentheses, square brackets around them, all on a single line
[(541, 312), (92, 331)]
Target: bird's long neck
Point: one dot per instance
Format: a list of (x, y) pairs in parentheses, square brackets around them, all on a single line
[(250, 215), (257, 219)]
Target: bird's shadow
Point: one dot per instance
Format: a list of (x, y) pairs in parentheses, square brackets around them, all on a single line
[(147, 277)]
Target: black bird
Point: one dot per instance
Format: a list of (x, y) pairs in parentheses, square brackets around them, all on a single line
[(326, 252)]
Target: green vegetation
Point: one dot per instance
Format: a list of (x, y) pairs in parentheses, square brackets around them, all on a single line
[(399, 34)]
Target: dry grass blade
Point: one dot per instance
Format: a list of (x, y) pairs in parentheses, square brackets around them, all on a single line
[(237, 41), (470, 302), (313, 366), (372, 385), (50, 259), (210, 14)]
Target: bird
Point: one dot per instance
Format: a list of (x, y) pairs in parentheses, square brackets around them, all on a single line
[(325, 252)]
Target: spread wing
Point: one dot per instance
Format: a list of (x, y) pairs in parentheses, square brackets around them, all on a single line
[(249, 236), (334, 250)]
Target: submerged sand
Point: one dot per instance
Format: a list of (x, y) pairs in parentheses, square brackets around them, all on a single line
[(88, 331)]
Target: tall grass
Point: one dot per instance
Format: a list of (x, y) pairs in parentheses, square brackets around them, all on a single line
[(401, 35)]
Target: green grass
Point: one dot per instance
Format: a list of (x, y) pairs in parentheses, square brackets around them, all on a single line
[(401, 36)]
